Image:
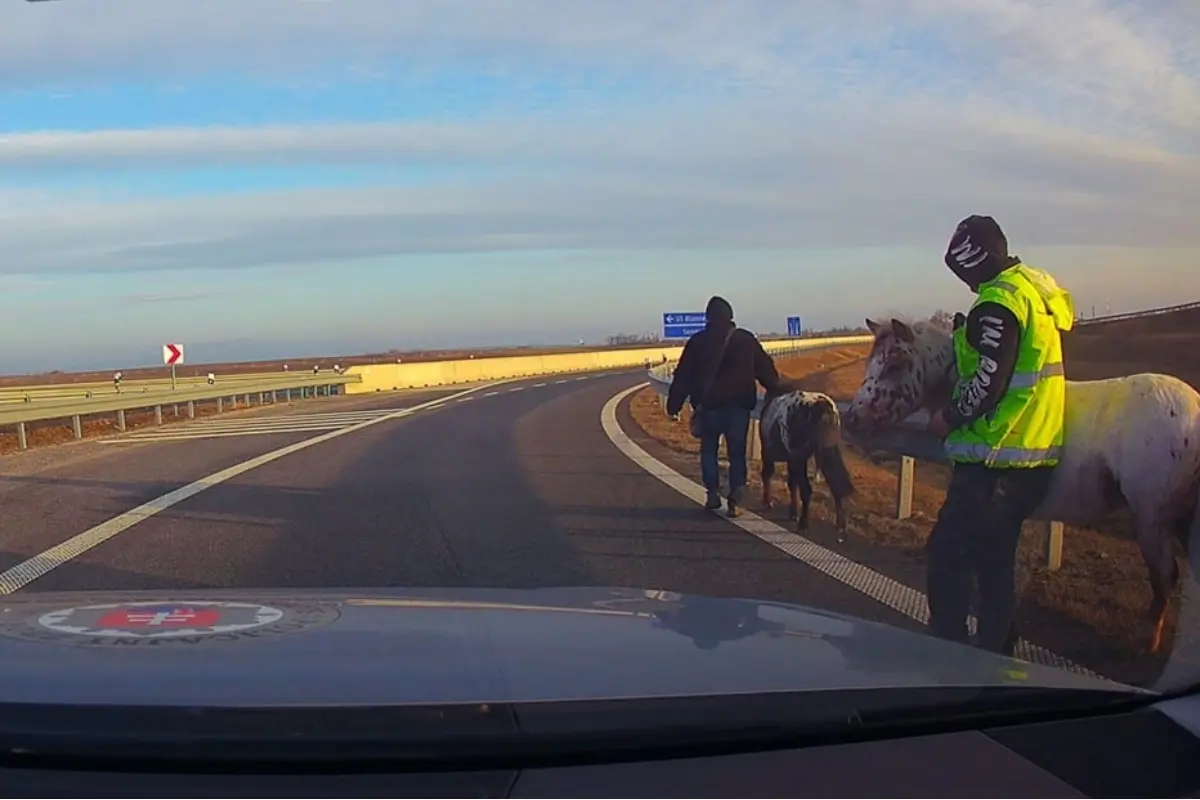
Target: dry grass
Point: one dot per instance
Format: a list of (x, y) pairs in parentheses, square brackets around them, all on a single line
[(1090, 610)]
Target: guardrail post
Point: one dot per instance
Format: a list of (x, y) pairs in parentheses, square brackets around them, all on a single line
[(287, 393), (177, 410), (191, 409), (1054, 545), (754, 444), (904, 487), (220, 404), (274, 396), (262, 398), (77, 426), (120, 419), (22, 436), (158, 415), (247, 399)]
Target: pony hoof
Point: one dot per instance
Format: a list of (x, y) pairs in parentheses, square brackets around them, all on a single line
[(802, 525)]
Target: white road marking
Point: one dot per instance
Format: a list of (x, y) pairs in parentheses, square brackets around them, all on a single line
[(538, 385), (465, 399), (878, 587), (516, 389), (30, 570), (225, 427), (491, 394), (560, 383)]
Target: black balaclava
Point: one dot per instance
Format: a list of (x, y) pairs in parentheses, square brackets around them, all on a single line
[(718, 313), (978, 251)]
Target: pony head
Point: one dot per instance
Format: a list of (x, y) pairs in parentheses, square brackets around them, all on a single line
[(911, 366)]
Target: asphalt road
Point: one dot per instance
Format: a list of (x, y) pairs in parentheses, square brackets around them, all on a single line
[(515, 485)]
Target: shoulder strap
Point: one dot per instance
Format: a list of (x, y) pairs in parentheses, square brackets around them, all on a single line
[(716, 367)]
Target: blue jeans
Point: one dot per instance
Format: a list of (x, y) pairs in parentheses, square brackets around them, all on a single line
[(734, 425)]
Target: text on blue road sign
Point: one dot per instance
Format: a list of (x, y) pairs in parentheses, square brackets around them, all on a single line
[(684, 318), (793, 326)]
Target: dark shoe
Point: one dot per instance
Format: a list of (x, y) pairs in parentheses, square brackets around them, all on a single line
[(734, 510), (713, 502)]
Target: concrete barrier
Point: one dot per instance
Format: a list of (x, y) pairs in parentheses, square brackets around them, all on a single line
[(387, 377)]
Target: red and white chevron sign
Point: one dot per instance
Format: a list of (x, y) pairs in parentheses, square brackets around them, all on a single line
[(172, 354)]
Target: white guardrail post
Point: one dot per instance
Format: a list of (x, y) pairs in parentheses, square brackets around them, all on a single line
[(910, 443)]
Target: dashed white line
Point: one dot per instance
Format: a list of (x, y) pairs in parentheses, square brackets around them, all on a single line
[(516, 389), (878, 587), (30, 570), (491, 394), (538, 385)]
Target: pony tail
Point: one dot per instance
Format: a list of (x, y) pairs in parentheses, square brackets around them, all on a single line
[(833, 467)]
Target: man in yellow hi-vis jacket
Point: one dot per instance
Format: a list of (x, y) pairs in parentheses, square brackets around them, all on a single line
[(1003, 431)]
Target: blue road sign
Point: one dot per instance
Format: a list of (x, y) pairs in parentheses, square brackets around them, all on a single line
[(793, 326), (682, 324)]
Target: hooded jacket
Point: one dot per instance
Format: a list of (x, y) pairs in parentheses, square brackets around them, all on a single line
[(744, 364)]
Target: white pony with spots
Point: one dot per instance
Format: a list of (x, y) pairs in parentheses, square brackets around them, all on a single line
[(1129, 442)]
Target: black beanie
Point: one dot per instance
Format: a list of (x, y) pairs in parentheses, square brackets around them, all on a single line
[(718, 310), (978, 250)]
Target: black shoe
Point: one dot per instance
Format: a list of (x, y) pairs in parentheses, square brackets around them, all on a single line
[(734, 509), (713, 502)]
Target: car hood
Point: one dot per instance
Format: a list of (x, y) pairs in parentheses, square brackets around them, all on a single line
[(461, 646)]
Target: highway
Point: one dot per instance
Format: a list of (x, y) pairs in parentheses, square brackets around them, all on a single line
[(517, 484)]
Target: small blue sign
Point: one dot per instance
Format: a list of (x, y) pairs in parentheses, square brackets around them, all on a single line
[(793, 325), (682, 324)]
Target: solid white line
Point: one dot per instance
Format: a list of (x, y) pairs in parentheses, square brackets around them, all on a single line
[(30, 570), (878, 587)]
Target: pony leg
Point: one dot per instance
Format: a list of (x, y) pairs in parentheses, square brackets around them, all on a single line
[(1154, 541), (806, 492), (768, 471), (793, 491)]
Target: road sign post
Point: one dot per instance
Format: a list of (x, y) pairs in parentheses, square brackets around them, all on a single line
[(682, 324), (793, 327), (172, 355)]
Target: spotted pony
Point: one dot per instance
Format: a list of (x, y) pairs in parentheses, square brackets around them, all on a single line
[(1130, 442), (796, 426)]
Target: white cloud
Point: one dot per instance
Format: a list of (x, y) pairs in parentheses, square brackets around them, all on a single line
[(824, 123), (696, 181)]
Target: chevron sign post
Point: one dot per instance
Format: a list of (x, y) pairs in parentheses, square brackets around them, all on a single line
[(172, 355)]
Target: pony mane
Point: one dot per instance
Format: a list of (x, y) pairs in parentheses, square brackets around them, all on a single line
[(924, 330)]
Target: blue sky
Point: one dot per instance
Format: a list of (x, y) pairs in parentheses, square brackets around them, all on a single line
[(282, 177)]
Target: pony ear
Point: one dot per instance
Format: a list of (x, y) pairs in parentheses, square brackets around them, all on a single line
[(903, 332), (873, 326)]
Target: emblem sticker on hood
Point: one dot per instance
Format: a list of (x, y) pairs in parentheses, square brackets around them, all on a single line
[(160, 620), (185, 621)]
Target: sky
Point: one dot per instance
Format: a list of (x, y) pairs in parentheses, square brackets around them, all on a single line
[(297, 177)]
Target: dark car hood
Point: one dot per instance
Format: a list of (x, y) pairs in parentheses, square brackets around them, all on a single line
[(460, 645)]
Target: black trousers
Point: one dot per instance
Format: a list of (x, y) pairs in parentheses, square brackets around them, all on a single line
[(976, 536)]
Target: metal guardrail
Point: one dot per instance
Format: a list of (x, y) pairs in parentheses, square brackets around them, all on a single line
[(86, 390), (265, 388), (1150, 312), (909, 441)]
